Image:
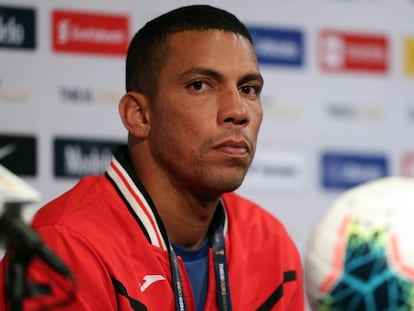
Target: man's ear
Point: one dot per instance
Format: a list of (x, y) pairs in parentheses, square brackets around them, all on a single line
[(135, 115)]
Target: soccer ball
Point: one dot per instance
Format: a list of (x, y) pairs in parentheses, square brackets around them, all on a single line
[(360, 255)]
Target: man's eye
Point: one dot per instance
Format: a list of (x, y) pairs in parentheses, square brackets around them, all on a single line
[(196, 85), (247, 89)]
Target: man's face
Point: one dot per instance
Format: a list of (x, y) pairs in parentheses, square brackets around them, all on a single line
[(206, 114)]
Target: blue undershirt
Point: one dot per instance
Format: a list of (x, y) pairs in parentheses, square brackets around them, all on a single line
[(196, 264)]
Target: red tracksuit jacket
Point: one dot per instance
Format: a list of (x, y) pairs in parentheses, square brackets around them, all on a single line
[(108, 233)]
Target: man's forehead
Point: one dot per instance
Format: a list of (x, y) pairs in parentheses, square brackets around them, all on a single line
[(207, 32), (201, 41)]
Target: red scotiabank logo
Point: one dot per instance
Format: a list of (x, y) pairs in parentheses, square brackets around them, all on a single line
[(340, 51), (407, 164), (91, 33)]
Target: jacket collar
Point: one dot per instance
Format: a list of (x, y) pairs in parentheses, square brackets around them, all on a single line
[(137, 199)]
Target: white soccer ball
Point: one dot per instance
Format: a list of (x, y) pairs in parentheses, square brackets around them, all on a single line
[(360, 255)]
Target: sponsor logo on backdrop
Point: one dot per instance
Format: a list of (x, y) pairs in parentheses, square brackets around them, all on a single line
[(81, 95), (17, 28), (409, 56), (88, 96), (347, 111), (342, 171), (75, 158), (276, 46), (91, 33), (107, 96), (275, 108), (13, 95), (407, 164), (276, 170), (18, 153), (410, 112), (343, 51)]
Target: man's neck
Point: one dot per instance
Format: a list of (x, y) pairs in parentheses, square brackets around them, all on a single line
[(186, 216), (186, 225)]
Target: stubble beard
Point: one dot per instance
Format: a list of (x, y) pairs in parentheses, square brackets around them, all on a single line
[(217, 181)]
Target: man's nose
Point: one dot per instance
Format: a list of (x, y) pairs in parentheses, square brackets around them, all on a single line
[(233, 108)]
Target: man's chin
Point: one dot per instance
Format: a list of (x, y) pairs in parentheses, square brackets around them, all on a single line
[(229, 185)]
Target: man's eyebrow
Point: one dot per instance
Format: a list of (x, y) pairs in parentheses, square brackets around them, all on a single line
[(218, 76), (252, 77), (203, 71)]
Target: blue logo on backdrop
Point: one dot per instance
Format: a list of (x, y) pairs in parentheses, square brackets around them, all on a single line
[(75, 158), (283, 47), (344, 171), (17, 28)]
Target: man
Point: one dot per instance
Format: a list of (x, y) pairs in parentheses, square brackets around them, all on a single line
[(162, 229)]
